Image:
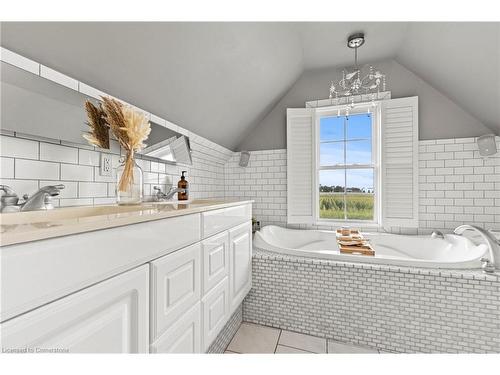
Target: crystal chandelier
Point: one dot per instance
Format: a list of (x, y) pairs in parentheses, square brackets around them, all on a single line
[(361, 80)]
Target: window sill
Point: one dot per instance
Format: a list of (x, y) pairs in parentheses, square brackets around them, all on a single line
[(364, 224)]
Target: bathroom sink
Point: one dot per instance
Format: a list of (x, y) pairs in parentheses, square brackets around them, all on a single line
[(85, 213), (32, 217)]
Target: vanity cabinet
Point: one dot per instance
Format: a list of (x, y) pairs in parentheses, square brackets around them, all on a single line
[(109, 317), (225, 277), (184, 336), (240, 259), (165, 286), (215, 256), (215, 310), (175, 287)]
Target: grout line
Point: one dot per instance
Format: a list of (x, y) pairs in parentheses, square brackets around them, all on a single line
[(293, 347), (277, 342)]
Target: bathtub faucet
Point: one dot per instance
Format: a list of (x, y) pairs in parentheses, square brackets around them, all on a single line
[(492, 264), (437, 234)]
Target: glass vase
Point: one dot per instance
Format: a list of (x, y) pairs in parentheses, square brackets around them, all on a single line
[(128, 193)]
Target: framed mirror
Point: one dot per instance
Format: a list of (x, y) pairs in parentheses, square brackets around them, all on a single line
[(33, 105)]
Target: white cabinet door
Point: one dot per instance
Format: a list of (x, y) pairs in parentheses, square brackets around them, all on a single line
[(215, 253), (240, 260), (175, 287), (215, 306), (109, 317), (184, 336)]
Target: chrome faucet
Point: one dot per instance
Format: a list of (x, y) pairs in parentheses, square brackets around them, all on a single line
[(437, 234), (160, 196), (9, 199), (41, 200), (493, 263)]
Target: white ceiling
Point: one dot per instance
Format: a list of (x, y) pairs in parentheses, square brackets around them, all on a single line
[(324, 43), (462, 60), (220, 79)]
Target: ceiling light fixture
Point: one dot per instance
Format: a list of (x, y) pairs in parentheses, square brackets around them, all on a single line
[(360, 80)]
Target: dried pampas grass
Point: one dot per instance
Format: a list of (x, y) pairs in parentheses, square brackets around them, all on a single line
[(131, 128), (99, 132)]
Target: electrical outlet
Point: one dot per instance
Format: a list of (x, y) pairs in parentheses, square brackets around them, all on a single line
[(105, 169)]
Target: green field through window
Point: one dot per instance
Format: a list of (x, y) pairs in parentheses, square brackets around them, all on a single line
[(346, 175)]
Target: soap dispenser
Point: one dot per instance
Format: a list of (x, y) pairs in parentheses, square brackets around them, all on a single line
[(183, 184)]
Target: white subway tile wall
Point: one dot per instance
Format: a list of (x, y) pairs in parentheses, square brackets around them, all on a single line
[(457, 186), (263, 180), (389, 308), (28, 163)]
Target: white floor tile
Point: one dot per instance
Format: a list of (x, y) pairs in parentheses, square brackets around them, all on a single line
[(281, 349), (302, 341), (341, 348), (253, 338)]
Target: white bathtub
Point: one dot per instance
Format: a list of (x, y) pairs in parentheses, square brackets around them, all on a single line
[(413, 251)]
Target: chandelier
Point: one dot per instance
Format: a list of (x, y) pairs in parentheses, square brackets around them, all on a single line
[(364, 80)]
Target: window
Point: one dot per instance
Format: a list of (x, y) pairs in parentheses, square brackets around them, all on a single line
[(346, 167), (361, 168)]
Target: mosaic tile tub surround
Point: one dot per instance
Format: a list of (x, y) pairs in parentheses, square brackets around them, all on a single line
[(387, 308)]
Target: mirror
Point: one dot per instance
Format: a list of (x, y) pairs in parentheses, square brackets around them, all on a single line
[(33, 105)]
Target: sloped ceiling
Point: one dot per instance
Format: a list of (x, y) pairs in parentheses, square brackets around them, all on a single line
[(220, 79), (210, 78), (462, 60), (324, 43)]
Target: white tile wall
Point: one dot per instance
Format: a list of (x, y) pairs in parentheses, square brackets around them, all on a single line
[(34, 169), (19, 148), (385, 307), (58, 153), (457, 186), (263, 180), (28, 164)]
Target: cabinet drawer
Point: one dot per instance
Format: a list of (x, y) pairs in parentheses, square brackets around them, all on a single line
[(184, 336), (240, 259), (215, 255), (175, 287), (109, 317), (218, 220), (215, 312)]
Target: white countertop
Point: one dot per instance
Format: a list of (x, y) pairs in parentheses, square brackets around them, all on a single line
[(23, 227)]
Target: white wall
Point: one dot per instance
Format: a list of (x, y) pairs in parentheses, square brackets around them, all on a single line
[(457, 186), (28, 163), (439, 117)]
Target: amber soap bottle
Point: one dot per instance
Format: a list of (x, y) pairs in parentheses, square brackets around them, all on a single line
[(183, 184)]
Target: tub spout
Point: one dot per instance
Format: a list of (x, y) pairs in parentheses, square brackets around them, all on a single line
[(493, 263), (437, 234)]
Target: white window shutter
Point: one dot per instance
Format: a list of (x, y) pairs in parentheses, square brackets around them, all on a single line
[(400, 162), (300, 152)]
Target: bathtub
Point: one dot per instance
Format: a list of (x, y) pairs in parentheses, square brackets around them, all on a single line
[(413, 251)]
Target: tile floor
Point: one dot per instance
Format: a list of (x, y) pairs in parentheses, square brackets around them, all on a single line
[(254, 338)]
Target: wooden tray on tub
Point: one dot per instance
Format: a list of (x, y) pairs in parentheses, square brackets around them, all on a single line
[(352, 242)]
